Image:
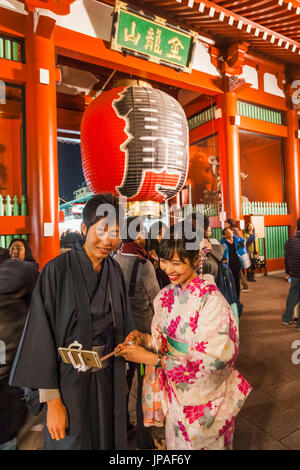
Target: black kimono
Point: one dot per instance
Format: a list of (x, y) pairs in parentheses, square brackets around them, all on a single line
[(72, 302)]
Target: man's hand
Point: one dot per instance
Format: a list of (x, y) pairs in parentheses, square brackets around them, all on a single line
[(57, 419)]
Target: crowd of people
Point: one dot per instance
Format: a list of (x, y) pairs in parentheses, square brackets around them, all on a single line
[(168, 313)]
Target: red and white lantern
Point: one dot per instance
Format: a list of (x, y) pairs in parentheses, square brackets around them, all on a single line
[(134, 143)]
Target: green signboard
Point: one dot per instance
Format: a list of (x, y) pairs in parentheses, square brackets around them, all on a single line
[(151, 38)]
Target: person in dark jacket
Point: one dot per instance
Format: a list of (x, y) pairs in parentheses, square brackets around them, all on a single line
[(70, 239), (17, 280), (4, 254), (142, 287), (292, 268), (215, 251), (80, 296), (156, 232), (234, 249)]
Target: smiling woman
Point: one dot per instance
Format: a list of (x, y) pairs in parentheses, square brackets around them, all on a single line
[(191, 386)]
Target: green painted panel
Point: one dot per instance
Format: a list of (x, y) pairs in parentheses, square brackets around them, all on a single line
[(202, 118), (1, 48), (151, 38), (15, 51), (260, 113), (11, 48), (7, 49)]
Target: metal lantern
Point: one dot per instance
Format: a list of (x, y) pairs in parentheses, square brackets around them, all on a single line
[(134, 143)]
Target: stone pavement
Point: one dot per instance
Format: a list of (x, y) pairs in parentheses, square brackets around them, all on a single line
[(270, 418)]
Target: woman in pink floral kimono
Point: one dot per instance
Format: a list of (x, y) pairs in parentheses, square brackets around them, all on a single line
[(191, 386)]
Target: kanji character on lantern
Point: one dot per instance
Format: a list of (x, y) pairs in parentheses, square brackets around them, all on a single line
[(145, 149)]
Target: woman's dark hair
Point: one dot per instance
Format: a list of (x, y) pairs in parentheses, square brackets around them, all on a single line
[(28, 252), (176, 241), (247, 228), (92, 212), (137, 226)]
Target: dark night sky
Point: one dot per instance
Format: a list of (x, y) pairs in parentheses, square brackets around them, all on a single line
[(69, 169)]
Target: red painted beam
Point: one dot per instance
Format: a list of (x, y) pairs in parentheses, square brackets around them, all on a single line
[(16, 225), (96, 51), (277, 220)]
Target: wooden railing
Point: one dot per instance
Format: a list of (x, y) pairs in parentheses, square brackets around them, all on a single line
[(264, 208)]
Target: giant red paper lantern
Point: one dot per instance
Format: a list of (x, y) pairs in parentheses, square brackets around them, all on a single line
[(134, 143)]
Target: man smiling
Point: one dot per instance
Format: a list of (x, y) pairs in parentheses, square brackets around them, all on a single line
[(80, 296)]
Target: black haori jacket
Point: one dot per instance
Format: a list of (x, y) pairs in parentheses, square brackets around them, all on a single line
[(61, 303)]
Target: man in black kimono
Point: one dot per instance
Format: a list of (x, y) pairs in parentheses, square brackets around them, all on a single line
[(80, 296)]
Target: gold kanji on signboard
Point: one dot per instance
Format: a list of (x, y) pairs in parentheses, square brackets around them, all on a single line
[(131, 37), (153, 41), (176, 44)]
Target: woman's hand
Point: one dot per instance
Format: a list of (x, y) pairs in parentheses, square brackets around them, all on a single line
[(134, 353), (57, 419), (135, 337)]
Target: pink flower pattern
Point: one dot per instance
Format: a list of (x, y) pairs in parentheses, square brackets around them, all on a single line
[(185, 374), (194, 322), (232, 332), (167, 300), (199, 284), (164, 384), (243, 386), (200, 347), (183, 431), (193, 413), (173, 326), (227, 431)]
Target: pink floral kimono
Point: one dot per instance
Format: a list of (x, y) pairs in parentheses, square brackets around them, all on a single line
[(197, 393)]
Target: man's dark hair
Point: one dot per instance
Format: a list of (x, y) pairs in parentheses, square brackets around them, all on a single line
[(28, 252), (174, 241), (298, 224), (231, 223), (89, 213), (137, 225)]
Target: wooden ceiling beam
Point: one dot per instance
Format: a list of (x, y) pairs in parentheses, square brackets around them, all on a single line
[(273, 19), (207, 22), (251, 6)]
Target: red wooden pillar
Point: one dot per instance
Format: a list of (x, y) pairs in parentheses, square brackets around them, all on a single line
[(41, 122), (229, 146), (292, 167)]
